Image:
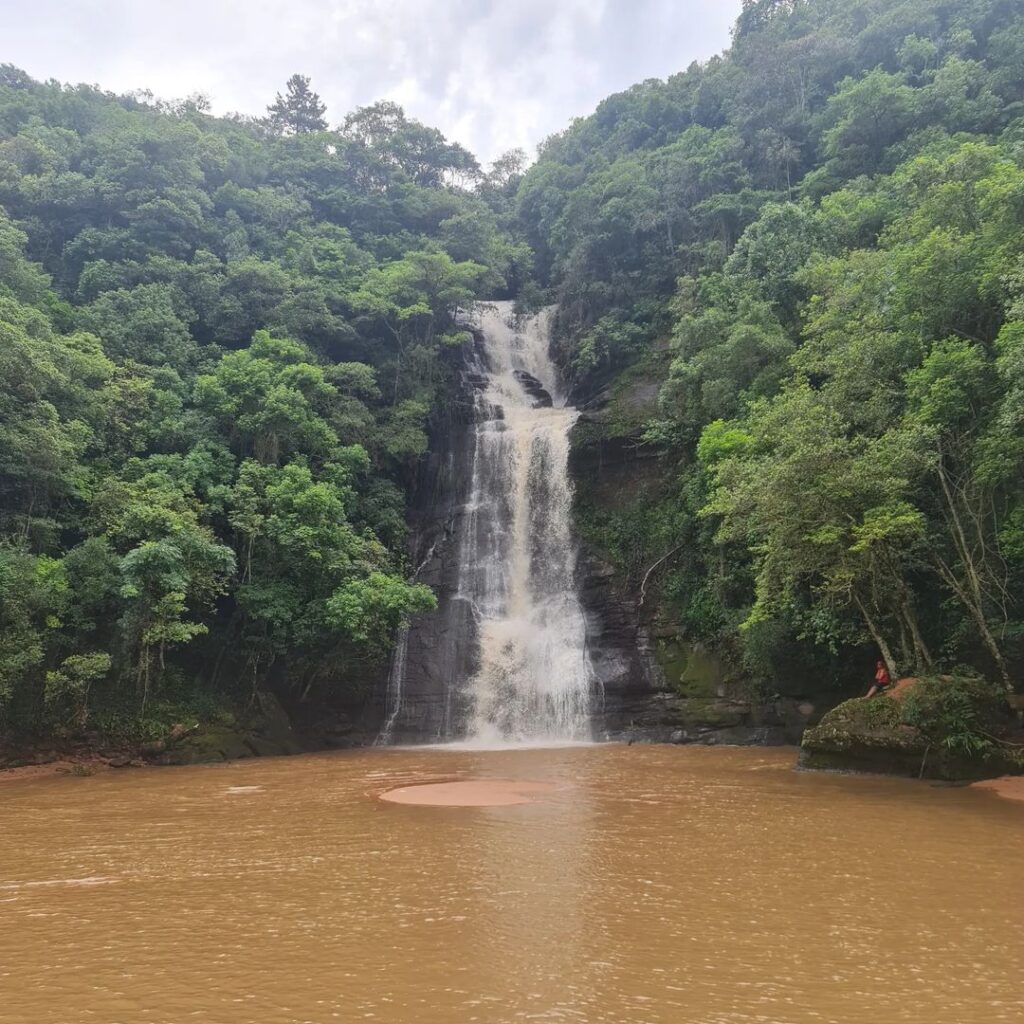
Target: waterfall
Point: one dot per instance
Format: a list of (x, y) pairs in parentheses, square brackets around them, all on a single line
[(504, 659), (396, 683), (517, 558)]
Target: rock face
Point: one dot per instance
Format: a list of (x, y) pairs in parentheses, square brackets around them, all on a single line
[(653, 687), (652, 690), (441, 644), (626, 672)]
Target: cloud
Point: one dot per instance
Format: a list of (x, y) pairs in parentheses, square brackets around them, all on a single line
[(491, 74)]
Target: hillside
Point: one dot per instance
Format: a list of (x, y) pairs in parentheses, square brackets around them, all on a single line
[(223, 343), (791, 293)]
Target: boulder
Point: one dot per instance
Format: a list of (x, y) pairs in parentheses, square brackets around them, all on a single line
[(943, 727)]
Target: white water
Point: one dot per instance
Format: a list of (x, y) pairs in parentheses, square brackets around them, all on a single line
[(518, 557)]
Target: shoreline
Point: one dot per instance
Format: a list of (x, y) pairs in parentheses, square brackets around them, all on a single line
[(1006, 787), (76, 765)]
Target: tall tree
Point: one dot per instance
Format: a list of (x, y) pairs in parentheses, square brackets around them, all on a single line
[(299, 110)]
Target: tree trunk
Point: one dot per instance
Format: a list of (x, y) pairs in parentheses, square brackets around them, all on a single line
[(978, 614), (876, 635), (922, 654), (970, 590)]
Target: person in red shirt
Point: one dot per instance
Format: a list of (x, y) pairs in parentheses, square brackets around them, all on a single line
[(882, 679)]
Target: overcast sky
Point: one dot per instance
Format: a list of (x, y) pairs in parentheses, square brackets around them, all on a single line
[(491, 74)]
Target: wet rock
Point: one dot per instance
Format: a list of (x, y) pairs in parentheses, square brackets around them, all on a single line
[(669, 718), (533, 387), (443, 644)]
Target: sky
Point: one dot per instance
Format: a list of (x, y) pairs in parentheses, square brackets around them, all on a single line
[(491, 74)]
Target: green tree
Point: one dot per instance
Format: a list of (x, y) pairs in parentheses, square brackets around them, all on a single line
[(298, 111)]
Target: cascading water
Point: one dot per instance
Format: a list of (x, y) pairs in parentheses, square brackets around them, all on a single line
[(396, 679), (518, 556), (504, 660)]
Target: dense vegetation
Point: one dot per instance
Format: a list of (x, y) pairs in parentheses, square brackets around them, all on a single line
[(221, 343), (815, 243), (224, 341)]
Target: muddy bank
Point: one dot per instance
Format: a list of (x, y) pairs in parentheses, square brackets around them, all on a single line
[(85, 764), (1010, 787)]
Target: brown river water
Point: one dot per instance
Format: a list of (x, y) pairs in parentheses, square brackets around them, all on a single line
[(646, 885)]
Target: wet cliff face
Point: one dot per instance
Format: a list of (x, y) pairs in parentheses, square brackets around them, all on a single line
[(614, 474), (622, 648), (622, 653), (441, 644)]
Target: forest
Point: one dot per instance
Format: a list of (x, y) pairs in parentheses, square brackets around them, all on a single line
[(226, 342), (814, 244), (222, 343)]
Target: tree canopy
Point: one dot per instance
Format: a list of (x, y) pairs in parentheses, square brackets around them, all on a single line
[(223, 342), (813, 243)]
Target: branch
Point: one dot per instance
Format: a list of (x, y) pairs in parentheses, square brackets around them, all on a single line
[(647, 575)]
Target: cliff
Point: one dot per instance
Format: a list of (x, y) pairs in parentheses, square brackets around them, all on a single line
[(656, 682)]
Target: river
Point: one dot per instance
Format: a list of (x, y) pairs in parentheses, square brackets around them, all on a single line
[(647, 885)]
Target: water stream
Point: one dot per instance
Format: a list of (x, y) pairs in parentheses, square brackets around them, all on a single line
[(518, 565)]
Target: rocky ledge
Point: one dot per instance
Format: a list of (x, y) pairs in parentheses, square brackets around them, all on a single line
[(671, 718), (943, 727)]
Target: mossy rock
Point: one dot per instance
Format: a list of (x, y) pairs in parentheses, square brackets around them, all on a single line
[(690, 670), (714, 714), (634, 395), (209, 746), (940, 727), (627, 404), (263, 730), (670, 655)]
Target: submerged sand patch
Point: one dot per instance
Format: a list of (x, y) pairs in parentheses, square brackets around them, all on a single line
[(469, 793), (1011, 787)]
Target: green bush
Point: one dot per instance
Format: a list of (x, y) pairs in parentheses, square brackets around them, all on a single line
[(963, 713)]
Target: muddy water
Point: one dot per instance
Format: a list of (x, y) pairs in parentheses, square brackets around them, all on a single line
[(650, 885)]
